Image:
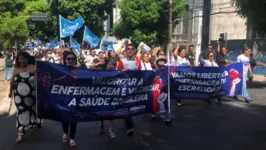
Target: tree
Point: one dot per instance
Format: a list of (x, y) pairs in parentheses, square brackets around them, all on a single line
[(92, 11), (253, 11), (13, 30), (146, 20)]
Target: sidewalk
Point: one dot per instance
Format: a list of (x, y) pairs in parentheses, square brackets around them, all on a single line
[(5, 102)]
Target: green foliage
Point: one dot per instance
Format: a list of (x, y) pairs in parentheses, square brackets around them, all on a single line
[(147, 20), (253, 11), (15, 13), (13, 29), (92, 11)]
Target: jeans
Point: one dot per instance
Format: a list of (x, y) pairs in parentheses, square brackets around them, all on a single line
[(244, 88), (72, 127), (129, 123), (8, 73)]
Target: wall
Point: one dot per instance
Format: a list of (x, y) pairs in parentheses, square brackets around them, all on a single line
[(228, 21), (258, 47)]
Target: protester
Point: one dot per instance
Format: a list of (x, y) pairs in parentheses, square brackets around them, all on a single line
[(131, 62), (243, 58), (145, 62), (209, 63), (48, 56), (69, 59), (111, 60), (90, 58), (59, 57), (99, 62), (109, 63), (221, 56), (8, 67), (82, 61), (23, 86), (181, 61), (190, 55), (252, 65)]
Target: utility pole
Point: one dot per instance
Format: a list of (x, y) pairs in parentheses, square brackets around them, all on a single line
[(170, 27), (206, 24), (170, 22)]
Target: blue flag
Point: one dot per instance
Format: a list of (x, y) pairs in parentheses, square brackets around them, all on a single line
[(75, 45), (91, 38), (54, 43), (68, 28), (108, 43)]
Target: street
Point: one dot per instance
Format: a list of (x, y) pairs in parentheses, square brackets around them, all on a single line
[(234, 125)]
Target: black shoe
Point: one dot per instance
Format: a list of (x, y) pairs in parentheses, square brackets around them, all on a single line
[(153, 117), (179, 104), (130, 132), (168, 122), (219, 101), (235, 98), (207, 102), (248, 100)]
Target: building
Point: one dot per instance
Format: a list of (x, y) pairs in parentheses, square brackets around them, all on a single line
[(224, 18)]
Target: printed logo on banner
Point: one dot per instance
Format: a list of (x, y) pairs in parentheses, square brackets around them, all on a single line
[(45, 79)]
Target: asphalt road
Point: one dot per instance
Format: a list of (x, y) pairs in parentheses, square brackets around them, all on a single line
[(234, 125)]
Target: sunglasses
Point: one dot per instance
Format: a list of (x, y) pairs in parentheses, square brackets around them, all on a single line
[(131, 49), (73, 59), (162, 54)]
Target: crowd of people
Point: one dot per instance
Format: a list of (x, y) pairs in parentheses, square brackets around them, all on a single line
[(127, 57)]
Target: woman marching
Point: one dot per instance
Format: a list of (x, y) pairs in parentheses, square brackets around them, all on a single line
[(69, 59), (22, 87), (209, 62)]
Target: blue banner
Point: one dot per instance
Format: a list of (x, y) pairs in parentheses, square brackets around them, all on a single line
[(206, 82), (69, 95), (54, 43), (196, 82), (68, 28), (232, 79), (91, 38), (75, 45), (109, 45)]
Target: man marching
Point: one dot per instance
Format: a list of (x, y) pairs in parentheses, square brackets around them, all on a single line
[(130, 62)]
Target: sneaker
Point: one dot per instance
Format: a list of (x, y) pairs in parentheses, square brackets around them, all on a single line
[(168, 122), (248, 100), (179, 104), (153, 117), (218, 101), (130, 132)]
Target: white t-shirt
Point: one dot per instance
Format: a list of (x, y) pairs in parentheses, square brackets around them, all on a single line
[(89, 60), (182, 61), (147, 66), (52, 60), (207, 63), (245, 60)]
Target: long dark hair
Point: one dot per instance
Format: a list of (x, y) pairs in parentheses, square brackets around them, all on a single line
[(31, 59), (66, 53)]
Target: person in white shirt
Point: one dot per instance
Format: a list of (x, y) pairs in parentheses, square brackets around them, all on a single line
[(90, 58), (48, 57), (209, 63), (145, 62), (181, 61), (243, 58)]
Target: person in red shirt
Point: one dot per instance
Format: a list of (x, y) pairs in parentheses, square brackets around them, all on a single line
[(130, 62)]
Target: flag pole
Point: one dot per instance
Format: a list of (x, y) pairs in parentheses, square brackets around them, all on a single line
[(83, 38), (60, 46), (70, 41)]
